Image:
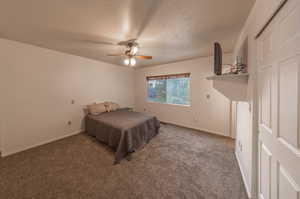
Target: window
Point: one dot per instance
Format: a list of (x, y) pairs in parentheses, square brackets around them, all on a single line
[(169, 89)]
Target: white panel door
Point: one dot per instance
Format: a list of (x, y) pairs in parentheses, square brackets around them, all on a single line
[(278, 59)]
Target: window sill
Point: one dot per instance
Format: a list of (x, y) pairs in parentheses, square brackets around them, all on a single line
[(180, 105)]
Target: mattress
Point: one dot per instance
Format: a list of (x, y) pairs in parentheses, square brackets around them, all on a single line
[(123, 130)]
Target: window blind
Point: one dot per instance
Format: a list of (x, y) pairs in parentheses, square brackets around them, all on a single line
[(171, 76)]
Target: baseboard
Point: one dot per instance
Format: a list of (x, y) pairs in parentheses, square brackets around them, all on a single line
[(243, 175), (197, 129), (4, 154)]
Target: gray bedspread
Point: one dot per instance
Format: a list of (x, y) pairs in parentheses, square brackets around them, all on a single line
[(123, 130)]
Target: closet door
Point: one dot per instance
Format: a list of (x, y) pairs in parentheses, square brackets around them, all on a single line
[(278, 57)]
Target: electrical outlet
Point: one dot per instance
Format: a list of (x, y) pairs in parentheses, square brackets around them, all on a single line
[(195, 118)]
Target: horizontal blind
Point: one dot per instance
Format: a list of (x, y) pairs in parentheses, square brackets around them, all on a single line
[(171, 76)]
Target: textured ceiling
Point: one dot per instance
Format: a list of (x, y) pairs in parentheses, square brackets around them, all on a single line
[(169, 30)]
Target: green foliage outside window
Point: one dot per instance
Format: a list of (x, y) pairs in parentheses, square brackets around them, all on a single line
[(170, 91)]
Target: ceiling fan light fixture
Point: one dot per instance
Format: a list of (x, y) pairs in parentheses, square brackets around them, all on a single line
[(131, 53), (132, 61), (126, 61)]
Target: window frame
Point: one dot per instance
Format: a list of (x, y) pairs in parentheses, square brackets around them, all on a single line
[(165, 77)]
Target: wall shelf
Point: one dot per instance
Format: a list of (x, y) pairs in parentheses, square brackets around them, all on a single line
[(243, 76), (233, 86)]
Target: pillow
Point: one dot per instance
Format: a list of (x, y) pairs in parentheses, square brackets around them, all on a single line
[(111, 106), (96, 109), (107, 106), (115, 106)]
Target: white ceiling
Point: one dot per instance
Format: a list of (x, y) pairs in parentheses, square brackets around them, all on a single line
[(169, 30)]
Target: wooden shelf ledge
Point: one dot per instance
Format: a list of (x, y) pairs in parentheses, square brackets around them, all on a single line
[(229, 77)]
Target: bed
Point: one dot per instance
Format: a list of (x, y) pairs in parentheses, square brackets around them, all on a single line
[(123, 130)]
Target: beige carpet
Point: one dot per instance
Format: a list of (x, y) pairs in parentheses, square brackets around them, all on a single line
[(178, 163)]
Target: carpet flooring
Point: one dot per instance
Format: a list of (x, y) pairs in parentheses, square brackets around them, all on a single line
[(179, 163)]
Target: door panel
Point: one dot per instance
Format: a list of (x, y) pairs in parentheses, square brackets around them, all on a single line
[(288, 101), (287, 187), (265, 172), (279, 105), (265, 111)]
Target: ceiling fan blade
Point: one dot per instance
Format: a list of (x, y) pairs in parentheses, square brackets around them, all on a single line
[(143, 57), (115, 54), (125, 43), (98, 42)]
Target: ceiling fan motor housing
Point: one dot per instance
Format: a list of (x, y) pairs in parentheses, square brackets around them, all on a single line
[(131, 48)]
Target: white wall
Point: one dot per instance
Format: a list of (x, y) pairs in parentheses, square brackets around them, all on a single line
[(38, 86), (247, 115), (212, 115)]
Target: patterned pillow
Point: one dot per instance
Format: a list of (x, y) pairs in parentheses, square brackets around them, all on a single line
[(111, 106), (96, 109)]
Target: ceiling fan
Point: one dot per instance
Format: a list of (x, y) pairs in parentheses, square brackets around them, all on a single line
[(130, 54)]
